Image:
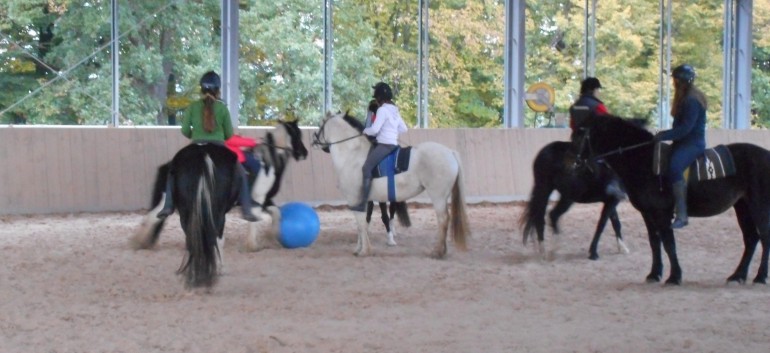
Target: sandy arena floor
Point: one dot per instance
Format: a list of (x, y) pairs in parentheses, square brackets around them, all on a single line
[(72, 284)]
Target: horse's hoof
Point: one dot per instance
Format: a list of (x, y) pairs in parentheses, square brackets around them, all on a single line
[(760, 280), (736, 279), (672, 281), (652, 278), (593, 257)]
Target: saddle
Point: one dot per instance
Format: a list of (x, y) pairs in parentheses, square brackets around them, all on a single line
[(714, 163), (395, 162)]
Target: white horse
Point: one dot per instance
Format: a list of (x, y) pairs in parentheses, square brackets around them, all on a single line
[(433, 168), (275, 152)]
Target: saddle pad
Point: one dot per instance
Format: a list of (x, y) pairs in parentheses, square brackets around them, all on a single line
[(714, 163), (394, 163)]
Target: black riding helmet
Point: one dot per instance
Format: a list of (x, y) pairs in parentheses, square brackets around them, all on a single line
[(210, 81), (382, 92), (684, 73), (589, 84)]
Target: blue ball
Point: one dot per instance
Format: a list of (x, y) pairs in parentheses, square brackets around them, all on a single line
[(299, 225)]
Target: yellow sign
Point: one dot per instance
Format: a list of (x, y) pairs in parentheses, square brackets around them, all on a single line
[(540, 97)]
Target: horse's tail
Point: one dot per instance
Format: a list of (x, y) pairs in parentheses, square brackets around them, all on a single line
[(534, 213), (200, 266), (459, 218), (402, 212)]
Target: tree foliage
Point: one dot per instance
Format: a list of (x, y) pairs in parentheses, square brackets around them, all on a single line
[(55, 57)]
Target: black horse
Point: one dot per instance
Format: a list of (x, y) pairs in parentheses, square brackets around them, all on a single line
[(388, 213), (205, 187), (628, 148), (554, 169), (274, 154)]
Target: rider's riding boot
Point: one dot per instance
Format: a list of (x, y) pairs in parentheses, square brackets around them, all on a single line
[(680, 205), (244, 197), (168, 205), (365, 187)]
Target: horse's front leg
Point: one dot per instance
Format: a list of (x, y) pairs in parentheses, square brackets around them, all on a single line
[(669, 244), (363, 246), (615, 220), (264, 234), (656, 272), (606, 209)]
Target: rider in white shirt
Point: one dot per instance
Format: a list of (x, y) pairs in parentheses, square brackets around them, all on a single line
[(386, 126)]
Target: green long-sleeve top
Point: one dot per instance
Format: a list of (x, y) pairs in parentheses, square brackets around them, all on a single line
[(192, 123)]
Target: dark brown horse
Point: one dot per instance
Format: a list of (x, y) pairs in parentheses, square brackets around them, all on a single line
[(628, 149), (554, 169)]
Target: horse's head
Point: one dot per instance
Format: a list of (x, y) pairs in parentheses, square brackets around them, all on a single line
[(293, 135), (597, 135), (337, 128)]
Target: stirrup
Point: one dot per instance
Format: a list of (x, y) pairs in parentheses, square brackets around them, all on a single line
[(360, 207), (248, 216), (679, 223), (164, 213)]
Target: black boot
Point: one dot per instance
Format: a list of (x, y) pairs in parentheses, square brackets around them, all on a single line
[(365, 187), (244, 197), (168, 205), (680, 205)]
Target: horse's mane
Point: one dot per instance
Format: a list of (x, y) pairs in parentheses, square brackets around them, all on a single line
[(355, 123), (612, 126)]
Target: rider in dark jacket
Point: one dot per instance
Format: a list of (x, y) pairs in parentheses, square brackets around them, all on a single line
[(589, 104), (588, 100), (688, 133)]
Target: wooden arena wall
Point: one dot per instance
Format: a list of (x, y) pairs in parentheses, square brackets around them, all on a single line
[(47, 169)]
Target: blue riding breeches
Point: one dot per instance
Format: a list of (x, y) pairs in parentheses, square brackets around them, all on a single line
[(376, 154), (681, 158), (252, 164)]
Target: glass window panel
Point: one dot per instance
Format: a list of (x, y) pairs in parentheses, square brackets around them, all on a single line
[(53, 63), (281, 61), (357, 63), (467, 43), (697, 32), (760, 74), (165, 48)]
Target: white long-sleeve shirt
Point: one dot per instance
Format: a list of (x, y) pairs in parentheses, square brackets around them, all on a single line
[(387, 126)]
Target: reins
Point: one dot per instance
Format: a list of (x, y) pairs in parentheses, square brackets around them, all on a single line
[(620, 150), (325, 144)]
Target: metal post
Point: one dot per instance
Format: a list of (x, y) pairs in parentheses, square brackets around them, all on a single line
[(742, 65), (229, 59), (328, 57), (727, 63), (115, 65), (423, 64), (513, 110)]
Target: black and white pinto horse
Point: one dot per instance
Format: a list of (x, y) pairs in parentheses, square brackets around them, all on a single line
[(554, 168), (433, 168), (628, 148), (388, 212), (205, 189)]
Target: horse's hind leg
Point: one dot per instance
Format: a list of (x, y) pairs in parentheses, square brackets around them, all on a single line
[(442, 216), (149, 231), (363, 246), (560, 209), (750, 239)]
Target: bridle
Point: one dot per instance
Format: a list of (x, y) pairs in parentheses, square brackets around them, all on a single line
[(320, 141)]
